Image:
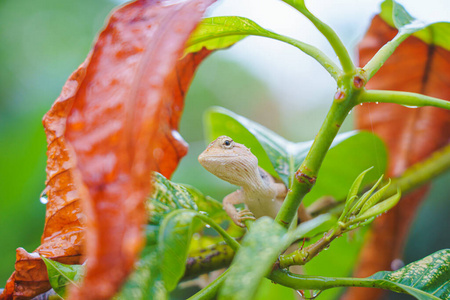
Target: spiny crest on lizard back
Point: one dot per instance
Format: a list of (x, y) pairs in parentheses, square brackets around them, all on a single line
[(230, 161)]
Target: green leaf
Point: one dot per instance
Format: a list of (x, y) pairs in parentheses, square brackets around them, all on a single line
[(361, 201), (396, 16), (212, 207), (174, 239), (260, 249), (166, 197), (428, 278), (375, 198), (145, 282), (62, 275), (353, 192), (278, 156), (167, 235), (222, 32), (379, 208)]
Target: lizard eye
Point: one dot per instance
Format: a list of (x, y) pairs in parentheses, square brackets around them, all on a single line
[(228, 144)]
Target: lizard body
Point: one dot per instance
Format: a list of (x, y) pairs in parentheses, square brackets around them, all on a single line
[(234, 163)]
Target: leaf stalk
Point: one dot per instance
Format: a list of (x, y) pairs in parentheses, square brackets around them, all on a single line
[(402, 98)]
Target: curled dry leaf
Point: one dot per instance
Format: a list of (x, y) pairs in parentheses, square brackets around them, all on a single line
[(115, 121), (411, 134), (64, 225)]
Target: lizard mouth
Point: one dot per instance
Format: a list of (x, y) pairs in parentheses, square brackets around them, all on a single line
[(222, 156)]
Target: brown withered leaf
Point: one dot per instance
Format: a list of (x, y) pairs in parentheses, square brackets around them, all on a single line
[(64, 226), (123, 125), (115, 121), (411, 135)]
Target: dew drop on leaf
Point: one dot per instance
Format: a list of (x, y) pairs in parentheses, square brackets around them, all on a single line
[(43, 199)]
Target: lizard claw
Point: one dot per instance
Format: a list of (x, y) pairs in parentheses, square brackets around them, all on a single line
[(241, 216)]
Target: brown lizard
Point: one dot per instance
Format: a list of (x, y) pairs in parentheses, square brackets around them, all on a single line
[(235, 163)]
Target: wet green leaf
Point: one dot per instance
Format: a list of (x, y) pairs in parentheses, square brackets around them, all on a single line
[(222, 32), (211, 206), (278, 156), (379, 208), (362, 200), (62, 275), (175, 236), (353, 192), (260, 249), (145, 282), (166, 197), (428, 278), (375, 198), (396, 16), (174, 240), (172, 208)]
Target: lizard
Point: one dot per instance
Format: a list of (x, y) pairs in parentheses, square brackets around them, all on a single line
[(236, 164)]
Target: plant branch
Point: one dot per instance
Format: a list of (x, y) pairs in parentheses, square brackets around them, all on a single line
[(307, 173), (422, 172), (414, 177), (312, 51), (329, 33), (402, 98), (227, 238), (210, 291), (208, 260), (302, 256), (308, 282), (383, 54)]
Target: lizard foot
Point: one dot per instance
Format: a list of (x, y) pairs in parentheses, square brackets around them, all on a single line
[(243, 215)]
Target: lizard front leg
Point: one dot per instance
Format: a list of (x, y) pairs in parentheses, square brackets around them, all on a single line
[(232, 199)]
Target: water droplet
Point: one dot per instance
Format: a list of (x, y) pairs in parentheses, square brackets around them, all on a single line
[(208, 226), (361, 104), (44, 199), (376, 102), (316, 294)]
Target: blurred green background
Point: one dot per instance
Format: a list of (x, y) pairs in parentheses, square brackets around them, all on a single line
[(43, 41)]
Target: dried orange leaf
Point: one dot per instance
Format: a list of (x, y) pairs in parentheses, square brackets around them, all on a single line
[(63, 235), (114, 123)]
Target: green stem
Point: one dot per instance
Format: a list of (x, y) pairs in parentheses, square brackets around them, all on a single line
[(422, 172), (307, 173), (412, 178), (402, 98), (207, 260), (210, 291), (383, 54), (329, 33), (307, 282), (312, 51), (308, 49), (303, 256), (226, 237)]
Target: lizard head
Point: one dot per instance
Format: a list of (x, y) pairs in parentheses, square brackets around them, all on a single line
[(230, 161)]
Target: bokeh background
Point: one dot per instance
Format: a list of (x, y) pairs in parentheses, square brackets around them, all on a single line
[(43, 41)]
